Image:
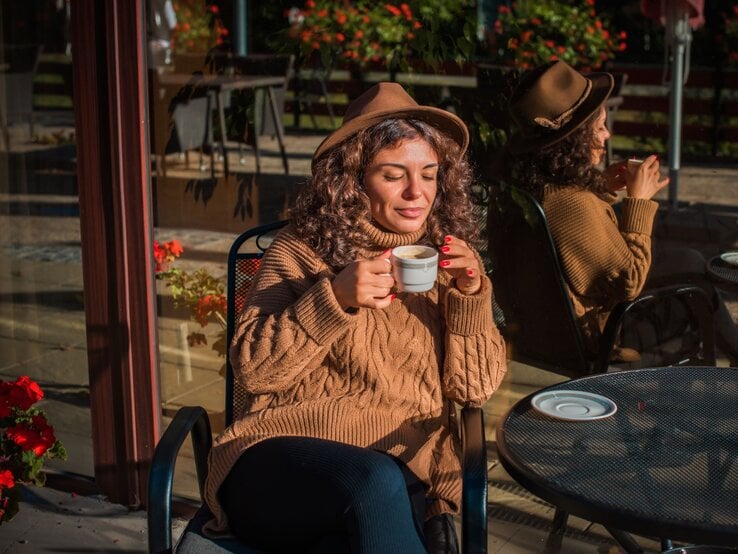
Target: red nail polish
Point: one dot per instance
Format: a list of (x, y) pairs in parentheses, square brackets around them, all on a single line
[(393, 297), (447, 238), (445, 248), (445, 263), (470, 272)]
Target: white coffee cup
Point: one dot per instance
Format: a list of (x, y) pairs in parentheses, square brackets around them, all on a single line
[(414, 267), (633, 165)]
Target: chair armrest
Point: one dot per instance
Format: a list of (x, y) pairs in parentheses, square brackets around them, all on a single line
[(192, 421), (474, 476), (698, 301)]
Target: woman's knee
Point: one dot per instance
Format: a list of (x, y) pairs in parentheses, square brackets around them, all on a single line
[(376, 475)]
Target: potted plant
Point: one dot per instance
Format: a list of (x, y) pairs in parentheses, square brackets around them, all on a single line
[(199, 27), (27, 440), (199, 292), (533, 32), (355, 34)]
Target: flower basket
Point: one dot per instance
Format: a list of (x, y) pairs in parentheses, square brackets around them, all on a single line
[(534, 32), (354, 33)]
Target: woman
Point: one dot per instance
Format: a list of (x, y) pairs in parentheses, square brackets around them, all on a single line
[(349, 381), (560, 141)]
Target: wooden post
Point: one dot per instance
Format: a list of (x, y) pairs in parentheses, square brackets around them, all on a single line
[(109, 71)]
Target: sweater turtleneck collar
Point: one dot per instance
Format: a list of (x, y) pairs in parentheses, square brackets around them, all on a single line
[(380, 239)]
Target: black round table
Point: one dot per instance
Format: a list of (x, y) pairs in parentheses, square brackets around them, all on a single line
[(664, 465)]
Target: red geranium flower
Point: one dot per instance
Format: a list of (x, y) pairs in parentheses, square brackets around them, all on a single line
[(38, 436), (6, 479), (22, 394)]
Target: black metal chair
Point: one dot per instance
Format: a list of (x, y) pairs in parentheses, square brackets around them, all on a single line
[(243, 262), (539, 320)]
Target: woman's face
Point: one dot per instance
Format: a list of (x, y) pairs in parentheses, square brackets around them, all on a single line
[(601, 134), (401, 183)]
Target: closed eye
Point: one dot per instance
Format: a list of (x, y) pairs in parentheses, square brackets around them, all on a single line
[(389, 177)]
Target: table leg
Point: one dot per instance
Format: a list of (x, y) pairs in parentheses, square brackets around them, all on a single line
[(208, 123), (278, 128), (223, 130), (559, 520), (6, 133), (257, 125)]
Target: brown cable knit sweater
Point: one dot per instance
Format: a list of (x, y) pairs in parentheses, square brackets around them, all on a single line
[(375, 378), (605, 262)]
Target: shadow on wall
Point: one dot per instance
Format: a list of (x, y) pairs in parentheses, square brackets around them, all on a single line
[(232, 204)]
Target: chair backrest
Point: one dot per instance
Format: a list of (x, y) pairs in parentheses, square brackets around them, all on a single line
[(244, 260), (540, 324)]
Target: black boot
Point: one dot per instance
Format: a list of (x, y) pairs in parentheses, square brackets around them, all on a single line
[(440, 535)]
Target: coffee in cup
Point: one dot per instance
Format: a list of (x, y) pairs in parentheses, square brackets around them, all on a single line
[(414, 267)]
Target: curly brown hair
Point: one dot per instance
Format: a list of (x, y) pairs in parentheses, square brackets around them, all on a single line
[(567, 163), (330, 204)]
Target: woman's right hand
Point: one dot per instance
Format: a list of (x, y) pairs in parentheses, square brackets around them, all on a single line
[(365, 283), (645, 181)]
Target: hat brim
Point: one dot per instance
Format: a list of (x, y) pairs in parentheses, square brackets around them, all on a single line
[(443, 120), (602, 84)]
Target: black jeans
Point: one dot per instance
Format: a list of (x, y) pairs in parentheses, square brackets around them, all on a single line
[(297, 494)]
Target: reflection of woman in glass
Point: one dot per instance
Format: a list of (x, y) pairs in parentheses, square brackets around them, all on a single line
[(348, 444), (560, 141)]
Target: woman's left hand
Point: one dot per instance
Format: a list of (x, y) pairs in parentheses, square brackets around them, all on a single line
[(459, 260)]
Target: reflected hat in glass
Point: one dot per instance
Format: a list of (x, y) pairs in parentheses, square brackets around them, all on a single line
[(388, 100), (551, 102)]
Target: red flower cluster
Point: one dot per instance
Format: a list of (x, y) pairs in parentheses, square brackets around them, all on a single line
[(26, 439), (359, 32), (202, 294), (530, 34), (165, 253), (208, 305), (20, 394), (6, 479), (37, 435), (199, 26)]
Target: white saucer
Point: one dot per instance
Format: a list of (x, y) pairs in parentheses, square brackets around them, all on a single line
[(573, 405), (730, 258)]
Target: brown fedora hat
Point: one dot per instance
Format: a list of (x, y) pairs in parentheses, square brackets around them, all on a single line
[(387, 100), (553, 101)]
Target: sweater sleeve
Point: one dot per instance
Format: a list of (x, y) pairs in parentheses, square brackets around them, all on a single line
[(601, 258), (475, 361), (290, 320)]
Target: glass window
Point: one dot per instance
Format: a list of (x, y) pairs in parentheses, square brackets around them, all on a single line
[(42, 318), (221, 164)]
